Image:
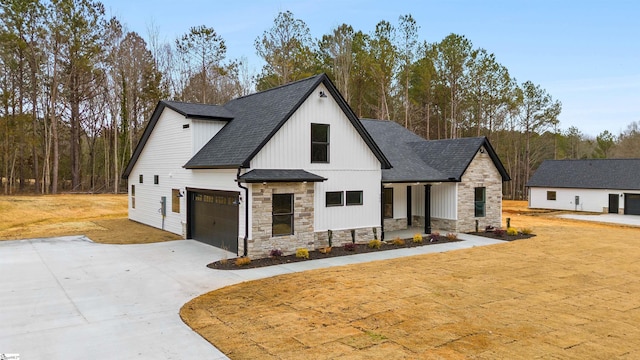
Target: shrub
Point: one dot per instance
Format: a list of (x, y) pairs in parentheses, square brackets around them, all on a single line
[(302, 253), (435, 233), (275, 253), (397, 241), (452, 236), (512, 231), (433, 237), (242, 261), (325, 250), (526, 231), (374, 244), (499, 232), (350, 247), (417, 239)]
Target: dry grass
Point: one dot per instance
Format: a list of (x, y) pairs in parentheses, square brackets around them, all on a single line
[(572, 292), (102, 218)]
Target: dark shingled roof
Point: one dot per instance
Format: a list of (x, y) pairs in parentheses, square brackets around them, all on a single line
[(280, 175), (199, 111), (252, 121), (415, 159), (618, 174)]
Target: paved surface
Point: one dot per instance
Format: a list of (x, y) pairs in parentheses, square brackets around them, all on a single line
[(632, 220), (71, 298)]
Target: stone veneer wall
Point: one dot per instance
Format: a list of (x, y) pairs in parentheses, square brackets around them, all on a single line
[(340, 237), (395, 224), (480, 173), (262, 241)]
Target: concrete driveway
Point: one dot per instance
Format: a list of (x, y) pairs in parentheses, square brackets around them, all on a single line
[(631, 220), (71, 298)]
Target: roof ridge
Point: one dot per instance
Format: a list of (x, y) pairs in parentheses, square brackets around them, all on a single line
[(277, 87)]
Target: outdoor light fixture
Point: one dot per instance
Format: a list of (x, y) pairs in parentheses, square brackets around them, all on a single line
[(180, 193), (322, 94)]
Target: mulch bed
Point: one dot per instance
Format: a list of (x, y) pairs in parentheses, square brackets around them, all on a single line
[(505, 237), (335, 251)]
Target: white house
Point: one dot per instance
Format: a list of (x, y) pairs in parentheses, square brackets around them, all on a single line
[(294, 167), (594, 185)]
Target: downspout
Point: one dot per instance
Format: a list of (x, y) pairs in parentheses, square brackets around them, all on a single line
[(382, 212), (246, 213)]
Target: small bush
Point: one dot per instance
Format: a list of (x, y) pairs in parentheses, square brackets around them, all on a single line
[(526, 231), (242, 261), (350, 247), (452, 236), (499, 232), (512, 231), (374, 244), (302, 253), (397, 241), (325, 250), (435, 234), (275, 253), (433, 237), (417, 239)]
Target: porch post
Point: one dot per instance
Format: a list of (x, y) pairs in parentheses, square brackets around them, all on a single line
[(427, 209), (382, 211)]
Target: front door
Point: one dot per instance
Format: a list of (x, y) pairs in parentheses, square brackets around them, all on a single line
[(613, 203)]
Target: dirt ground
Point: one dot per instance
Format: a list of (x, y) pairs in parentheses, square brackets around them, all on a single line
[(571, 292), (102, 218)]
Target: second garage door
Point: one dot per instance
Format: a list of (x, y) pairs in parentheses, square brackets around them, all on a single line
[(632, 204), (213, 218)]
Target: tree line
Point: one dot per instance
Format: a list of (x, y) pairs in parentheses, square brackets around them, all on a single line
[(77, 88)]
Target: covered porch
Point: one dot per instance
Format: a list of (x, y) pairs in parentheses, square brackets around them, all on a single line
[(418, 207)]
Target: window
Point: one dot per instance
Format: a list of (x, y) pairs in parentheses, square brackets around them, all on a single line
[(156, 179), (551, 195), (133, 196), (282, 213), (333, 198), (354, 197), (319, 143), (175, 200), (388, 203), (480, 201), (140, 178)]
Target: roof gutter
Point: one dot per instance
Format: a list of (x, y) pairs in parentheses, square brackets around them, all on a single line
[(246, 213)]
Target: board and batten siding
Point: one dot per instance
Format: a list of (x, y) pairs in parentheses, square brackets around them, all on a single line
[(443, 200), (203, 131), (168, 148), (352, 165), (594, 200)]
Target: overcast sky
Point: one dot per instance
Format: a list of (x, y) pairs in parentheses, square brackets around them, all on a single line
[(584, 53)]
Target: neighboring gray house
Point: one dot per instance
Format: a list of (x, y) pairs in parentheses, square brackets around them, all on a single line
[(282, 167), (595, 185)]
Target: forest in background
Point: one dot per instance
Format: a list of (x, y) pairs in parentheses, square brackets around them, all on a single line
[(77, 88)]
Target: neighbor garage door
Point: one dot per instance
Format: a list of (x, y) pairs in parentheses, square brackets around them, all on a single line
[(632, 204), (213, 218)]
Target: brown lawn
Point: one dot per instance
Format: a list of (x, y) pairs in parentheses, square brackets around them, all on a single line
[(572, 292), (102, 218)]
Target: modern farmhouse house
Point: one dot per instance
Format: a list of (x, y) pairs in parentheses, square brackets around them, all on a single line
[(294, 167), (595, 185)]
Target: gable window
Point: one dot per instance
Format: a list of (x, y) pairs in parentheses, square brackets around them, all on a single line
[(175, 200), (387, 210), (319, 143), (282, 214), (133, 196), (140, 178), (480, 201), (333, 198), (551, 195), (354, 197), (156, 179)]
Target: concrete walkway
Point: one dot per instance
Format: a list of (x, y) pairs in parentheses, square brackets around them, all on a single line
[(71, 298)]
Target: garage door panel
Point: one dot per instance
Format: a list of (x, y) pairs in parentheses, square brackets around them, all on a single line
[(632, 204), (213, 218)]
